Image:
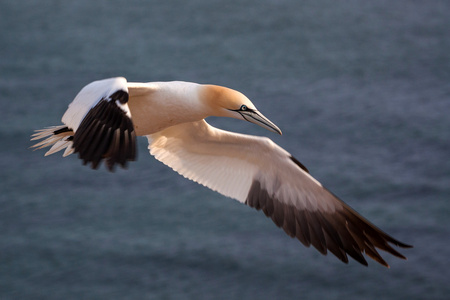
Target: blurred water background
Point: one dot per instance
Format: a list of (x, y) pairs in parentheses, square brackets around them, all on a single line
[(361, 90)]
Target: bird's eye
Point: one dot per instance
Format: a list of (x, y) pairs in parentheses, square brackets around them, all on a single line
[(243, 107)]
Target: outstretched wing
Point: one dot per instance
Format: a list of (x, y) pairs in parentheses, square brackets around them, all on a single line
[(97, 126), (259, 173)]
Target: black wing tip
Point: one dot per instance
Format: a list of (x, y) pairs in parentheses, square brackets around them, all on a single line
[(106, 133), (343, 234), (402, 245)]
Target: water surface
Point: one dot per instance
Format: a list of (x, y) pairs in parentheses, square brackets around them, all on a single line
[(360, 89)]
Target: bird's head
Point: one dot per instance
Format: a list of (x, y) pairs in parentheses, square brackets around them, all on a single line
[(225, 102)]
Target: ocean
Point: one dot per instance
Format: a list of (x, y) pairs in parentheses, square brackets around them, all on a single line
[(360, 89)]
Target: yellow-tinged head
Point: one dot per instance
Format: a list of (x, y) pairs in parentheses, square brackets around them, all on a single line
[(226, 102)]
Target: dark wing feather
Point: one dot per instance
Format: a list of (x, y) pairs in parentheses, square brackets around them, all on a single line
[(342, 232), (106, 132)]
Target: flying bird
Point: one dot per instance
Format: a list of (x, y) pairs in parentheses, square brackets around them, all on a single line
[(102, 122)]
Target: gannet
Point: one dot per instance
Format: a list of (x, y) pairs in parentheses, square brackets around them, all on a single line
[(102, 122)]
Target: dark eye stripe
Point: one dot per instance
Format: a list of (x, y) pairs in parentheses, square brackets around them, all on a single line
[(243, 108)]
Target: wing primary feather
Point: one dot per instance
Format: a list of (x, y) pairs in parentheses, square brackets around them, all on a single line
[(370, 250), (93, 153), (334, 247), (253, 196), (107, 133), (278, 212), (364, 229), (303, 233), (316, 233), (110, 160), (289, 223), (350, 245), (300, 234), (89, 139), (269, 206), (329, 229)]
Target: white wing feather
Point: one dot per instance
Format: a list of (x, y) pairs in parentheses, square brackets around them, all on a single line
[(229, 163), (256, 171), (185, 152), (89, 96)]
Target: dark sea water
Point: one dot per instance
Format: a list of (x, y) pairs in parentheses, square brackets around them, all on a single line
[(361, 90)]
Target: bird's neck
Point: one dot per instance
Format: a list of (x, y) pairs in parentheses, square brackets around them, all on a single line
[(167, 104)]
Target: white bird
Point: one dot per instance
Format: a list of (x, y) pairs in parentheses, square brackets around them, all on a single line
[(104, 118)]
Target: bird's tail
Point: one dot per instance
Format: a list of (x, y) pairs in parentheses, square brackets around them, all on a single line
[(59, 137)]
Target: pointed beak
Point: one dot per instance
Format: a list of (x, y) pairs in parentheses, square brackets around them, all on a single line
[(258, 118)]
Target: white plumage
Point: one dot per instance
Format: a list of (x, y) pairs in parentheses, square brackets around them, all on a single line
[(102, 121)]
